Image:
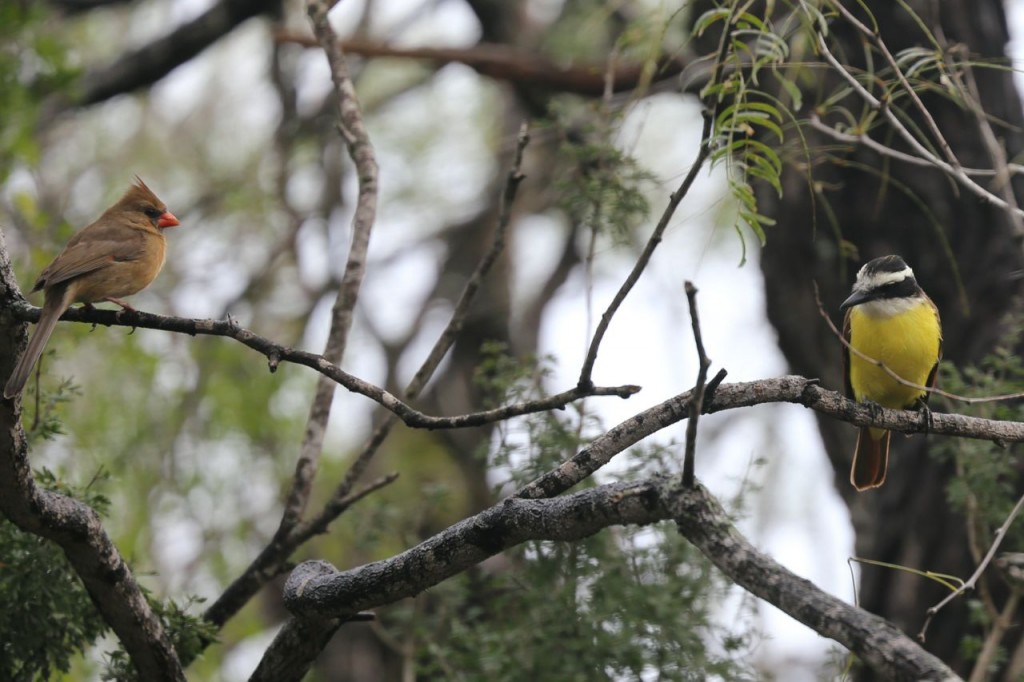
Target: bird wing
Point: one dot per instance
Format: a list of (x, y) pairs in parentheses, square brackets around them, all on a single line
[(933, 376), (95, 247), (846, 358)]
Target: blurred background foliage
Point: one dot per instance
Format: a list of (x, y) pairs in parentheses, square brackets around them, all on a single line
[(193, 441)]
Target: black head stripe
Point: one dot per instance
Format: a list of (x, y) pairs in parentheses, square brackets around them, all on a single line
[(905, 288)]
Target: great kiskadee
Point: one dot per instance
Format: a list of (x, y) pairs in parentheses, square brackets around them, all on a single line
[(889, 319)]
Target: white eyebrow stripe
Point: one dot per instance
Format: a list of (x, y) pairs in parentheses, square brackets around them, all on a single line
[(880, 279)]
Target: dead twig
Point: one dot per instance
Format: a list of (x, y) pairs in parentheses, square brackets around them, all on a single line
[(697, 402), (973, 580)]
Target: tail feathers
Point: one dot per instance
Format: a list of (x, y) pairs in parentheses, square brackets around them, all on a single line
[(870, 460), (57, 300)]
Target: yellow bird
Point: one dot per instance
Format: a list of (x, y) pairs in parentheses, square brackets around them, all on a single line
[(891, 320)]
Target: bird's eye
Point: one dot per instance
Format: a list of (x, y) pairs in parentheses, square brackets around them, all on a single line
[(152, 213)]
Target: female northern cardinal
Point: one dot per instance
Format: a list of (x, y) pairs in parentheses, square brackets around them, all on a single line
[(117, 255)]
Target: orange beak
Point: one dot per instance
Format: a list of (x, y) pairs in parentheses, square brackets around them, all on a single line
[(167, 220)]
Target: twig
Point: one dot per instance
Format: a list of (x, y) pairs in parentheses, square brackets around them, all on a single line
[(587, 371), (956, 173), (867, 141), (896, 377), (972, 96), (703, 153), (973, 580), (925, 113), (697, 402), (468, 295)]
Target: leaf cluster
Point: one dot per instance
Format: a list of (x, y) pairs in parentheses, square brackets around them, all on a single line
[(46, 615), (189, 633), (34, 63)]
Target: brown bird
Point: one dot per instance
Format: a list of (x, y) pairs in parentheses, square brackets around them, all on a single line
[(117, 255)]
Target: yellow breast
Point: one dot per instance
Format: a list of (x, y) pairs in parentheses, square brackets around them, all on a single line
[(905, 340)]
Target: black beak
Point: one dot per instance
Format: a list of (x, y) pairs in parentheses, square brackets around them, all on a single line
[(856, 298)]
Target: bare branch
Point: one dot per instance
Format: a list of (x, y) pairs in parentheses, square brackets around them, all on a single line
[(996, 152), (697, 402), (867, 141), (878, 643), (925, 113), (269, 562), (357, 140), (676, 197), (703, 153), (789, 389), (468, 295), (973, 580), (317, 590), (519, 66)]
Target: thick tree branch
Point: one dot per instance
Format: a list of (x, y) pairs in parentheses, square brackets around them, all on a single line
[(317, 590), (148, 64), (518, 66), (878, 643)]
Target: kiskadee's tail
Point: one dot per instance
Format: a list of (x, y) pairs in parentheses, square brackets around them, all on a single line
[(870, 460)]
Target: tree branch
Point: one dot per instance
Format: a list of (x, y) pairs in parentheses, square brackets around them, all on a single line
[(317, 590), (515, 65), (697, 402), (878, 643), (151, 62), (269, 561), (277, 353)]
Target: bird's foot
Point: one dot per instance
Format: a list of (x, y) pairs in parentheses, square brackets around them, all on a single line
[(874, 408), (925, 413), (90, 308), (124, 306)]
